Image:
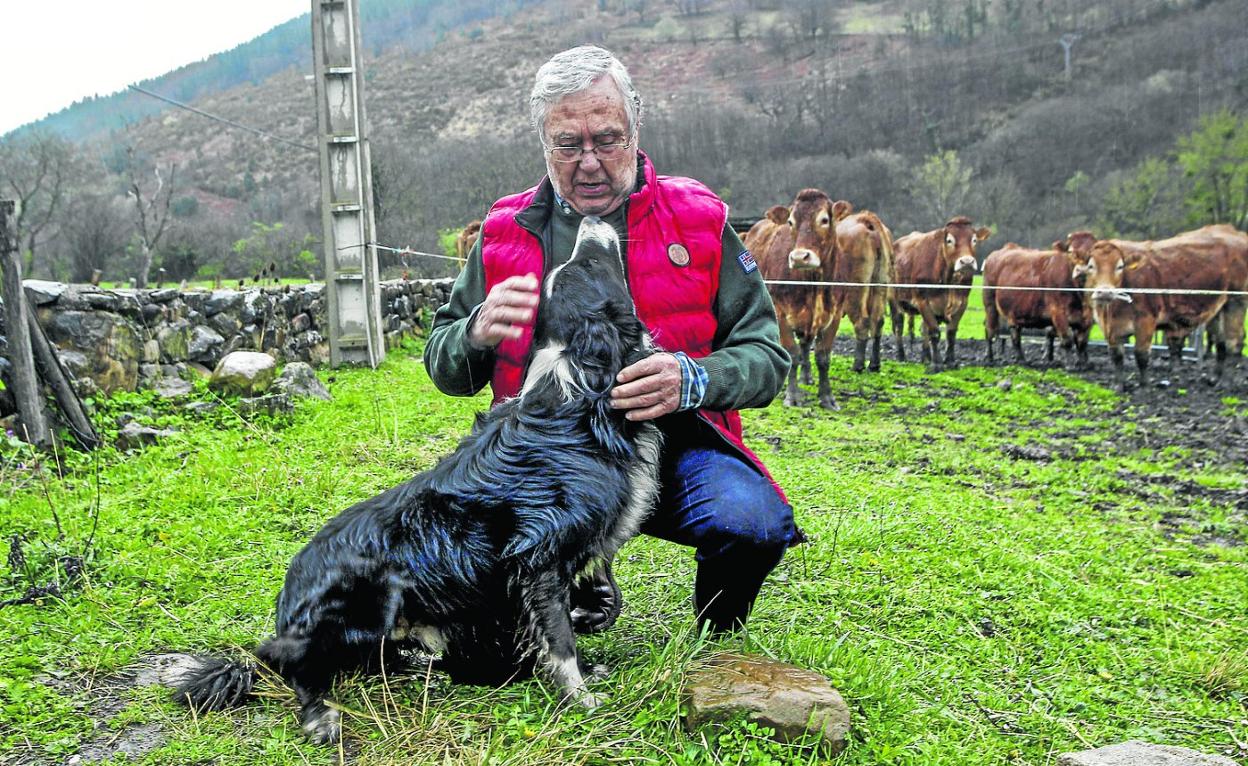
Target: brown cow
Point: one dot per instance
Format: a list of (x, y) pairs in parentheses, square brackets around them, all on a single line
[(1229, 323), (466, 240), (942, 258), (1196, 260), (865, 257), (799, 244), (1063, 311)]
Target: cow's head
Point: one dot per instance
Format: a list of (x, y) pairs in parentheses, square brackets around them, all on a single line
[(1078, 248), (958, 246), (812, 220), (1108, 265)]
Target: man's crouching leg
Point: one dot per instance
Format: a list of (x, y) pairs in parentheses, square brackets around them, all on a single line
[(711, 499)]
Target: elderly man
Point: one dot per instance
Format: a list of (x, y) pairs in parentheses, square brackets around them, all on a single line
[(695, 287)]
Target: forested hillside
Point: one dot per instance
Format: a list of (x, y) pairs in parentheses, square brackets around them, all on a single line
[(918, 109)]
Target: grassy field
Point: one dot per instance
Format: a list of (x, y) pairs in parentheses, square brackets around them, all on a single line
[(996, 575)]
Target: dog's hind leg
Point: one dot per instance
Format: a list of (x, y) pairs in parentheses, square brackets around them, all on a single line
[(545, 598)]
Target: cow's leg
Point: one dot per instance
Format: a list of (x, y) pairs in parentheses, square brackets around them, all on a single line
[(1175, 344), (1081, 349), (823, 355), (805, 361), (931, 332), (1061, 329), (1144, 331), (1116, 358), (876, 334), (898, 320), (862, 333), (991, 322), (1016, 340), (951, 338), (1049, 337), (792, 394)]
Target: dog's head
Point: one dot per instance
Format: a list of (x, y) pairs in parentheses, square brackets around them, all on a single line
[(587, 313)]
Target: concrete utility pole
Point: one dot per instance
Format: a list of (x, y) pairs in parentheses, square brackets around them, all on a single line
[(1068, 41), (351, 279), (25, 379)]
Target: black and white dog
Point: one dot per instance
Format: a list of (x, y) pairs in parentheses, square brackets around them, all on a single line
[(475, 557)]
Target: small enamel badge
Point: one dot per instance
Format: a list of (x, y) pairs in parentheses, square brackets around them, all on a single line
[(677, 254)]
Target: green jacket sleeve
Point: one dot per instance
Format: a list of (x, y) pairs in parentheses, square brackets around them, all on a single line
[(455, 367), (748, 365)]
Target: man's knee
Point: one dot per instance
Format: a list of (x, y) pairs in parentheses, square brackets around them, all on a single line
[(750, 516)]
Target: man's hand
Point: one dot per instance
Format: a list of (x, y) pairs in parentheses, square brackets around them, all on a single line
[(648, 388), (507, 310)]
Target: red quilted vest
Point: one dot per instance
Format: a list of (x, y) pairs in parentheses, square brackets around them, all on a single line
[(674, 295)]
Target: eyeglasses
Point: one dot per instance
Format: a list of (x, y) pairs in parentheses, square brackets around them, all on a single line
[(603, 152)]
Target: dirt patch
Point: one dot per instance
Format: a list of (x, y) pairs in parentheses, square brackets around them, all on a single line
[(1180, 410), (104, 698)]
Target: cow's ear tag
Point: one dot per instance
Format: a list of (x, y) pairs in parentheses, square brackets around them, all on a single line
[(678, 254)]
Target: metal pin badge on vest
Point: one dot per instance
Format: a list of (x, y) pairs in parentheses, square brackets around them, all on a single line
[(678, 254)]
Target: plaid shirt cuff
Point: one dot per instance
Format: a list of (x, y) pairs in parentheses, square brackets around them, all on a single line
[(692, 382)]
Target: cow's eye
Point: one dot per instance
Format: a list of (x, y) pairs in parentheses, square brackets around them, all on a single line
[(974, 240), (949, 240), (823, 220), (792, 224), (1120, 265)]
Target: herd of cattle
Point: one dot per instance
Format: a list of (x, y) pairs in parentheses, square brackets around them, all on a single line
[(822, 261)]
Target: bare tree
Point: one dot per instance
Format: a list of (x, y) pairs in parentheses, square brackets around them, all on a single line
[(94, 234), (36, 169), (151, 200)]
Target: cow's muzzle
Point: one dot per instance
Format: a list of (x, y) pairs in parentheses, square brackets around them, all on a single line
[(1110, 294), (965, 265), (802, 259)]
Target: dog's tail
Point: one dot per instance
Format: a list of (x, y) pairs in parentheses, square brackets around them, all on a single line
[(216, 684)]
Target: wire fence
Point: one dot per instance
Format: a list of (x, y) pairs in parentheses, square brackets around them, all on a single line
[(910, 285)]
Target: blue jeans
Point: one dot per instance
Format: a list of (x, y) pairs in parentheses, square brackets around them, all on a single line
[(713, 499)]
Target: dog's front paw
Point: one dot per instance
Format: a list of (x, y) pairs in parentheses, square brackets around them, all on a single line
[(322, 725), (587, 700), (596, 671)]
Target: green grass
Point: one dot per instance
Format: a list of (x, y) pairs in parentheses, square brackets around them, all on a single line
[(972, 607)]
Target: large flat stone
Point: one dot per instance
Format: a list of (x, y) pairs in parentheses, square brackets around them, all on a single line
[(1137, 753), (798, 704)]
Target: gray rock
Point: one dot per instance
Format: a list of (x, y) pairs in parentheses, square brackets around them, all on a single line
[(1137, 753), (795, 702), (76, 362), (224, 323), (300, 323), (1005, 384), (41, 292), (270, 404), (222, 300), (175, 341), (164, 295), (201, 408), (101, 301), (134, 436), (149, 371), (244, 372), (203, 344), (171, 388), (299, 379), (151, 312), (151, 351)]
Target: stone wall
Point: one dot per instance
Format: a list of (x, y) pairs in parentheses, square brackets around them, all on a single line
[(123, 339)]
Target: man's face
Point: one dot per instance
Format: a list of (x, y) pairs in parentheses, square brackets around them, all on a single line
[(593, 116)]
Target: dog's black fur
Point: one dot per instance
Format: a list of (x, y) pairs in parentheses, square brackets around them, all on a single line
[(475, 557)]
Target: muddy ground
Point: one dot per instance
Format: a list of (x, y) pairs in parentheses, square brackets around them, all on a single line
[(1180, 409)]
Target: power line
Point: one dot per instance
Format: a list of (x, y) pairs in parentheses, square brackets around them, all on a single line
[(220, 119)]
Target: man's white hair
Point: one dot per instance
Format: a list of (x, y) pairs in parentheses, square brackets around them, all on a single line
[(574, 70)]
